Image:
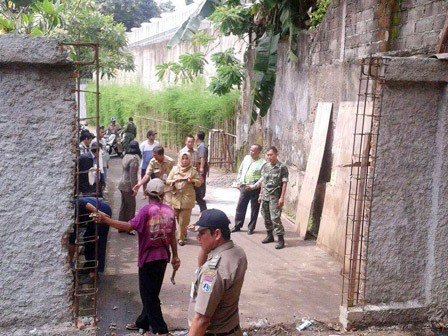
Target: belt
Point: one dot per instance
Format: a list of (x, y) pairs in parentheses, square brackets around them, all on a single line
[(230, 332)]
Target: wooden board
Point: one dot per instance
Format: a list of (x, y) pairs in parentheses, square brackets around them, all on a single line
[(313, 165), (331, 237)]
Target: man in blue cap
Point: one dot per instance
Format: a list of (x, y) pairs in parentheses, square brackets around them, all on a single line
[(216, 289)]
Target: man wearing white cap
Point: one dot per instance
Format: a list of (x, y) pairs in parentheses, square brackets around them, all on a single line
[(156, 228)]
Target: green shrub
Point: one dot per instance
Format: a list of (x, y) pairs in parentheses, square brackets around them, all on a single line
[(190, 104)]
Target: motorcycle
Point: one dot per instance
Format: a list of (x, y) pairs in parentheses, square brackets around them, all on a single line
[(111, 143)]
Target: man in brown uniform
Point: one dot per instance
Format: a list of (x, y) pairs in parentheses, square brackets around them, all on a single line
[(159, 167), (216, 288)]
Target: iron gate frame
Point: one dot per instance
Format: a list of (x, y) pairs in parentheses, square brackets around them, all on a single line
[(90, 294), (362, 180)]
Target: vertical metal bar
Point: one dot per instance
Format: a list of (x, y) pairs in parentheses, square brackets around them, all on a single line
[(78, 111)]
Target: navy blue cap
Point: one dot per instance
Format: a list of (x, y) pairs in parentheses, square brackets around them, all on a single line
[(211, 219)]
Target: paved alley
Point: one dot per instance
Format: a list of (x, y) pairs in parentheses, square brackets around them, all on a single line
[(280, 285)]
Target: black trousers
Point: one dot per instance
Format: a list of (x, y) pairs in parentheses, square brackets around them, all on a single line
[(150, 282), (200, 193), (241, 208)]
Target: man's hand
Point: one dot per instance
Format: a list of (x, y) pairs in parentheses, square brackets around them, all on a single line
[(190, 180), (259, 199), (281, 201), (175, 262), (238, 186), (100, 217)]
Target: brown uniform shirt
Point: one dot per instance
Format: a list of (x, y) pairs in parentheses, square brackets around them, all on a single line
[(216, 288), (160, 170)]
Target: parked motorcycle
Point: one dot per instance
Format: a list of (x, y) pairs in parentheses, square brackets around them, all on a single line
[(111, 143)]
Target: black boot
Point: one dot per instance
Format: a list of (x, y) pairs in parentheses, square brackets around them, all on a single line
[(281, 243), (269, 238)]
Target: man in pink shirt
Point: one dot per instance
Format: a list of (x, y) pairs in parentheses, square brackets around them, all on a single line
[(156, 228)]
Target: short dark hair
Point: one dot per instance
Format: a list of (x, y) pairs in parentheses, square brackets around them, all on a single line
[(258, 146), (189, 136), (158, 150), (225, 233), (201, 135), (131, 119), (274, 149), (85, 135)]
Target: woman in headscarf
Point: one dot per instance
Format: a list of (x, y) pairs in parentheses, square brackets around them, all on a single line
[(129, 178), (183, 178)]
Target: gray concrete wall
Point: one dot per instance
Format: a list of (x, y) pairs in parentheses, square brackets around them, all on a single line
[(37, 114), (407, 255)]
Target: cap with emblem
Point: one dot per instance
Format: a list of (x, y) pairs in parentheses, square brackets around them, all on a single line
[(150, 132), (155, 187), (211, 219)]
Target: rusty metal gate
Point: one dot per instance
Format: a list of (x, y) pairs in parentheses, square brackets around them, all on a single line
[(221, 149), (84, 295), (362, 178)]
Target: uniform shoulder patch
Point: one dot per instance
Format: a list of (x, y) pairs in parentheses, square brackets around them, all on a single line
[(213, 263)]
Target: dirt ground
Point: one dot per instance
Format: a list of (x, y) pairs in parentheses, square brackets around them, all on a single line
[(281, 287)]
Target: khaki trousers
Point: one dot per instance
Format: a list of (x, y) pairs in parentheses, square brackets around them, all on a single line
[(183, 220)]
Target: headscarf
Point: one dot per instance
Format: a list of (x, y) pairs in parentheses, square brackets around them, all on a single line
[(134, 148), (184, 170)]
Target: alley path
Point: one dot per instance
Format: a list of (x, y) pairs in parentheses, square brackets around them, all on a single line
[(280, 285)]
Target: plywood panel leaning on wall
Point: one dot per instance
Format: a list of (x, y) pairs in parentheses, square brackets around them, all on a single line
[(334, 214), (313, 165)]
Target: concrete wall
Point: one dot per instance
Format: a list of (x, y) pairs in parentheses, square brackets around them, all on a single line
[(407, 256), (148, 46), (37, 114)]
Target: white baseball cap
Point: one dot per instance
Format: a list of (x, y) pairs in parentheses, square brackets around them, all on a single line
[(155, 187)]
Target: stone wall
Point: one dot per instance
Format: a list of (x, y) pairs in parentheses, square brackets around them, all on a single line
[(328, 71), (37, 114)]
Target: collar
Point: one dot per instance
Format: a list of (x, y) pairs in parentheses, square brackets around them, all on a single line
[(226, 246)]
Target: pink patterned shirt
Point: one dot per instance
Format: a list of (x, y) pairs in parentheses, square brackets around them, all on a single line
[(154, 224)]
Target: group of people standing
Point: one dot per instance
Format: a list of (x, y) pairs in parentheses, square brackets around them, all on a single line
[(171, 191), (184, 182)]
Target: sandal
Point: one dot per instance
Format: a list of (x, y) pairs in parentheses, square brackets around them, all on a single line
[(181, 242), (132, 326)]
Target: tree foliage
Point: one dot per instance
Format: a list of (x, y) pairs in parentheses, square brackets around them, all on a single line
[(261, 23), (71, 20), (132, 13)]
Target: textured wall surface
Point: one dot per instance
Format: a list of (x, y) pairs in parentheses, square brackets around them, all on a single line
[(36, 116), (327, 71), (407, 260)]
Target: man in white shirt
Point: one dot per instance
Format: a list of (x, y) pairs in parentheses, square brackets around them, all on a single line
[(147, 148), (103, 155), (84, 142), (249, 183)]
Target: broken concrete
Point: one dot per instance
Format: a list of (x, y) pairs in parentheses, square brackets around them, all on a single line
[(37, 114)]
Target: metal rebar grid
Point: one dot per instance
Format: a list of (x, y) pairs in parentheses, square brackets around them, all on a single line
[(362, 178), (85, 296)]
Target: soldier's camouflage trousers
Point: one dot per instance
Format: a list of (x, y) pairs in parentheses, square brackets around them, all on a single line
[(272, 216)]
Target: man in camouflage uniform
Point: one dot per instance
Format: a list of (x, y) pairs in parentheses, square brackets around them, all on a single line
[(272, 197), (115, 128), (129, 132)]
